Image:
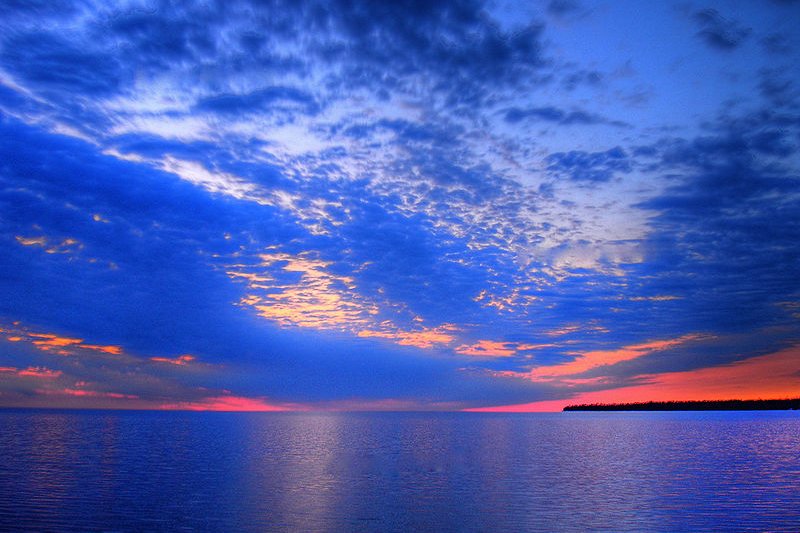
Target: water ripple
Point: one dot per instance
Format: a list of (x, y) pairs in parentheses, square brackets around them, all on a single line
[(146, 471)]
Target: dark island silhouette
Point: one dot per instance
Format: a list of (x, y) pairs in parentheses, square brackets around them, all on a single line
[(699, 405)]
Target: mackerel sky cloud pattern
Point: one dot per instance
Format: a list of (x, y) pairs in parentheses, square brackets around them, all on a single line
[(270, 205)]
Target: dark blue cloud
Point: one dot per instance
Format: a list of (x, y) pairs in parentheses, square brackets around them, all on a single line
[(556, 115), (563, 7), (158, 37), (590, 78), (51, 63), (720, 32), (777, 88), (270, 97), (38, 8), (387, 46), (406, 132), (777, 43), (589, 167), (725, 232)]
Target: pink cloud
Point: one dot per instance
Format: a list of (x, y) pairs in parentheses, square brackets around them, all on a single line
[(771, 376), (31, 371), (86, 393), (40, 372), (594, 359), (229, 403)]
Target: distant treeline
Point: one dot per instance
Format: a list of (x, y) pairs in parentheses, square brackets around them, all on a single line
[(704, 405)]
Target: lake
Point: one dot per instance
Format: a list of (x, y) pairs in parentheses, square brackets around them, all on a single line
[(183, 471)]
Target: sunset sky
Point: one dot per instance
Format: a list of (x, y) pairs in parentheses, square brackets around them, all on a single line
[(276, 205)]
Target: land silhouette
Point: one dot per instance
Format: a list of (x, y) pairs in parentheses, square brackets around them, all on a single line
[(701, 405)]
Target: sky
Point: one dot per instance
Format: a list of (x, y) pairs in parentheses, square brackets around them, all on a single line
[(412, 205)]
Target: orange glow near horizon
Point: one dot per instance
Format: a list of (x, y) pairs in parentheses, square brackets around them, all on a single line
[(771, 376), (229, 403), (87, 393)]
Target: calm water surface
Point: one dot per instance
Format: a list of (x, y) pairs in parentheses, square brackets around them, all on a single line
[(150, 471)]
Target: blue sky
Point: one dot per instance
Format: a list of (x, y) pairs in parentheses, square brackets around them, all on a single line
[(405, 205)]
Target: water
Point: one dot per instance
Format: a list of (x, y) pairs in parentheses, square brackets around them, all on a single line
[(150, 471)]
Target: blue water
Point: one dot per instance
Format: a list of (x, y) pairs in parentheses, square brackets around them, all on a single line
[(151, 471)]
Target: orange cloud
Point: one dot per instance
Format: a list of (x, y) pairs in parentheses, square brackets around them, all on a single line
[(424, 338), (67, 245), (318, 299), (50, 342), (488, 348), (40, 372), (113, 350), (180, 360), (31, 241), (771, 376), (300, 291)]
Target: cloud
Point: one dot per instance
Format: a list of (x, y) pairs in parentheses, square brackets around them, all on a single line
[(771, 376), (304, 294), (557, 116), (732, 202), (50, 63), (588, 167), (31, 371), (230, 402), (563, 7), (300, 291), (601, 358), (181, 360), (50, 342), (489, 348), (324, 201), (777, 43), (83, 393), (588, 78), (719, 32), (271, 98), (425, 337)]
